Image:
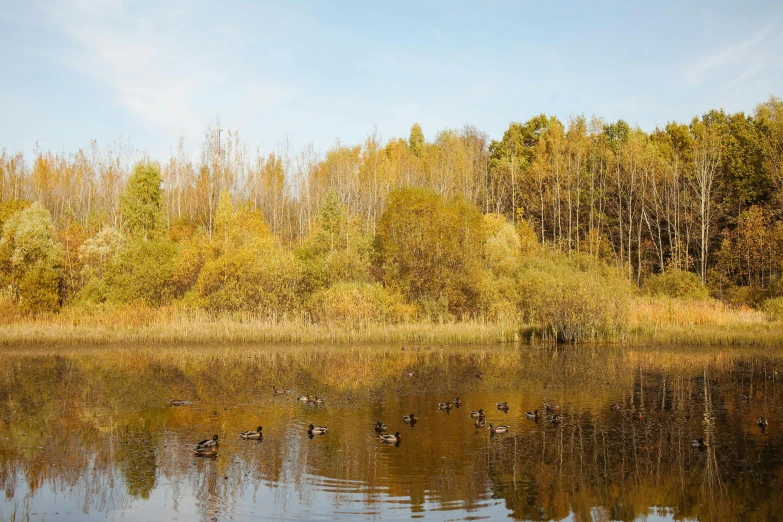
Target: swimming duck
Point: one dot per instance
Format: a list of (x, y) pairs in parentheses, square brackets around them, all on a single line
[(444, 406), (480, 423), (317, 430), (410, 374), (208, 443), (457, 402), (700, 444), (380, 426), (304, 398), (555, 419), (178, 402), (478, 414), (744, 397), (247, 435), (762, 422), (502, 406), (279, 391), (552, 407), (391, 439), (410, 419), (497, 429), (616, 407), (317, 400), (638, 415), (532, 414), (479, 376)]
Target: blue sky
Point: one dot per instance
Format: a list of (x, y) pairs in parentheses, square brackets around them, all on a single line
[(313, 72)]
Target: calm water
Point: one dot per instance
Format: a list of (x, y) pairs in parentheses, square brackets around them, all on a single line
[(89, 434)]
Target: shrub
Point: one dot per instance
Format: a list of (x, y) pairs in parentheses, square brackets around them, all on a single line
[(358, 303), (574, 298), (676, 283), (142, 272), (774, 308)]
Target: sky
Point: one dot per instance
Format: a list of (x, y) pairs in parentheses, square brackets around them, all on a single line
[(302, 73)]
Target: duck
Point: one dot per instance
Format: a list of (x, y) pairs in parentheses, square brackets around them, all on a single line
[(480, 423), (698, 443), (497, 429), (208, 443), (479, 376), (616, 407), (638, 415), (457, 402), (380, 426), (410, 419), (178, 402), (279, 391), (532, 415), (248, 435), (304, 398), (555, 419), (502, 406), (762, 422), (391, 439), (444, 406), (478, 414), (745, 397), (317, 430), (552, 407), (317, 400), (410, 374)]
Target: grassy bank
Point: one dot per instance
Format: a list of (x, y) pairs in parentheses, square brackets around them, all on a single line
[(650, 321)]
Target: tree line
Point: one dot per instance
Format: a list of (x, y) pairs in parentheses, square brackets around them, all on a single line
[(412, 224)]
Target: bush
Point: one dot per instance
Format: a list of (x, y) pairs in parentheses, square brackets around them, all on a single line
[(773, 308), (142, 272), (358, 303), (677, 284), (574, 298)]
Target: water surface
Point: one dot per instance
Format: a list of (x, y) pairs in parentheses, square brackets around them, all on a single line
[(89, 433)]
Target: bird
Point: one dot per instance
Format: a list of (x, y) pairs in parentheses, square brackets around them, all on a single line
[(700, 444), (178, 402), (552, 407), (478, 414), (497, 429), (380, 426), (638, 415), (457, 402), (317, 400), (279, 391), (410, 374), (317, 430), (391, 439), (208, 443), (745, 397), (555, 419), (532, 414), (616, 407), (304, 398), (410, 419), (444, 406), (248, 435), (503, 406), (480, 423), (479, 376), (762, 422)]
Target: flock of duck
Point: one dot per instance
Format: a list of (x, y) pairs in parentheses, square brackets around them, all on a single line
[(209, 447)]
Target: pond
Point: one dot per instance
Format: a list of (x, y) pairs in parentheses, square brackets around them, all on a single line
[(91, 433)]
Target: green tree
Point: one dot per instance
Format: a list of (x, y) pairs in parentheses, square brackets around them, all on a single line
[(431, 249), (141, 201), (416, 140), (30, 259), (142, 272)]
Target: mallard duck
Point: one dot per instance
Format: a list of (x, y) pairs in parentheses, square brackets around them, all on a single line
[(700, 444), (317, 430), (638, 415), (178, 402), (304, 398), (479, 376), (616, 407), (457, 402), (502, 406), (410, 374), (480, 423), (208, 443), (555, 419), (552, 407), (444, 406), (745, 397), (532, 414), (279, 391), (380, 426), (497, 429), (478, 414), (391, 439), (762, 422), (410, 419), (251, 434)]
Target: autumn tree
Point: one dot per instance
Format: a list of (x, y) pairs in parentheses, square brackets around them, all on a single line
[(142, 199)]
